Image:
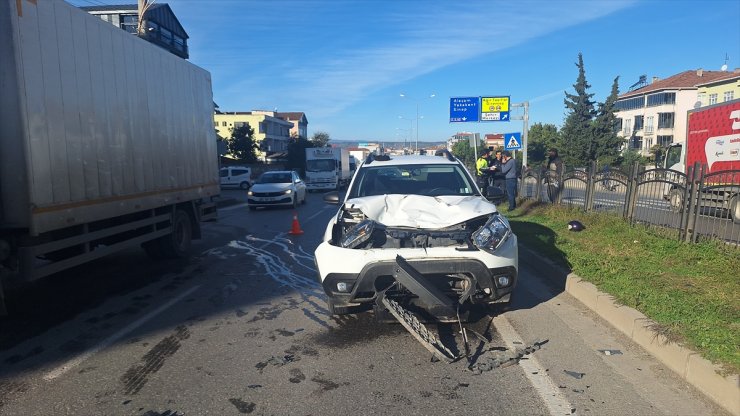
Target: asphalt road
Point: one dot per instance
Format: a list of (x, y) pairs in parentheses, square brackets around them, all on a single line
[(242, 328)]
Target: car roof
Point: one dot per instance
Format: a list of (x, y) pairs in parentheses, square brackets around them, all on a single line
[(412, 160), (277, 172)]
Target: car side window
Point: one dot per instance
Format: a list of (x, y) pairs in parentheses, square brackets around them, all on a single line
[(224, 173), (237, 172)]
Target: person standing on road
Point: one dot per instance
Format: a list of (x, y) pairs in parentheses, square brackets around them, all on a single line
[(499, 180), (482, 171), (508, 169)]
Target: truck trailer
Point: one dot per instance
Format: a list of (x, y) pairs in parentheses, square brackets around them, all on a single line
[(107, 143), (713, 145)]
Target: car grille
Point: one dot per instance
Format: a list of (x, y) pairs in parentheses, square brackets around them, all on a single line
[(267, 194)]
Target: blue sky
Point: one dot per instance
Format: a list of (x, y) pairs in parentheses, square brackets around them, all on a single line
[(344, 63)]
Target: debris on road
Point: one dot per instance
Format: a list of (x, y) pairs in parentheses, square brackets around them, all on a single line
[(611, 352), (574, 374), (500, 359)]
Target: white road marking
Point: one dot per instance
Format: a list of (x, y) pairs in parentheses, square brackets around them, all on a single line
[(115, 337), (237, 206), (555, 401)]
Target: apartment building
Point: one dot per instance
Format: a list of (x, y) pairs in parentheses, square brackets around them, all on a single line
[(271, 133), (160, 24), (720, 90), (300, 123), (655, 113)]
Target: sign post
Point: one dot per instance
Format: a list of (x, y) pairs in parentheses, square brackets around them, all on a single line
[(495, 108), (464, 109)]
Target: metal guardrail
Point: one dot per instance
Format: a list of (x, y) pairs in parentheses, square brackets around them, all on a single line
[(697, 206)]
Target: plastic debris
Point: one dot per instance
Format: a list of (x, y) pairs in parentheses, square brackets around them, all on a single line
[(611, 352), (574, 374)]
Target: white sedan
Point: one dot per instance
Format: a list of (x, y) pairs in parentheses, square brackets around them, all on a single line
[(277, 188)]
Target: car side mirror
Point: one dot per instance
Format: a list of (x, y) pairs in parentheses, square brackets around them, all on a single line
[(332, 197)]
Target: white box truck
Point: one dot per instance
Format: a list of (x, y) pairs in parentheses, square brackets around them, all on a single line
[(106, 142), (327, 168)]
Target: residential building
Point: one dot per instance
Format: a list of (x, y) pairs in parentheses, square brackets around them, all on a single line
[(271, 133), (720, 90), (494, 140), (160, 25), (655, 113), (300, 123), (459, 137)]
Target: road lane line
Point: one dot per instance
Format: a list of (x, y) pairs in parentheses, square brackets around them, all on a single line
[(233, 207), (555, 401), (115, 337)]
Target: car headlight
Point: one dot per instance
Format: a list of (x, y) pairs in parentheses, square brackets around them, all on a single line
[(490, 236), (288, 191), (358, 234), (250, 193)]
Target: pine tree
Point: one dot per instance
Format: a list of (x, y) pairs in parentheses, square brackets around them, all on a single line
[(606, 144), (576, 134)]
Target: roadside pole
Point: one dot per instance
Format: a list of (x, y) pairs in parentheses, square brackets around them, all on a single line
[(525, 129)]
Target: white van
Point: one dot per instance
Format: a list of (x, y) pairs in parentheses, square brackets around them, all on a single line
[(236, 177)]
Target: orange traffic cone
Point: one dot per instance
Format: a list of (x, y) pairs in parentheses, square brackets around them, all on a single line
[(296, 229)]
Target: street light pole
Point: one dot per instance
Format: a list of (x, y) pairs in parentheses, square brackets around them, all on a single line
[(417, 118)]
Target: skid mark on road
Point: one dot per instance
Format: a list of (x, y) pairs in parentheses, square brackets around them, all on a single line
[(138, 375)]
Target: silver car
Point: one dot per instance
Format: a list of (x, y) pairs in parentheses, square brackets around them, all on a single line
[(277, 188)]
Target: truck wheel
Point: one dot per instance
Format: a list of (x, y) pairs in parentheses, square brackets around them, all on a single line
[(177, 244), (244, 185), (675, 198), (735, 209)]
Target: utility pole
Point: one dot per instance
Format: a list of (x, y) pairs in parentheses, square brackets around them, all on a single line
[(525, 132)]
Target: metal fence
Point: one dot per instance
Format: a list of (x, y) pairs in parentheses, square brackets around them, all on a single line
[(697, 205)]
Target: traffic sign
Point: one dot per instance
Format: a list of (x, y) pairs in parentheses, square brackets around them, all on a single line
[(512, 141), (464, 109), (495, 108)]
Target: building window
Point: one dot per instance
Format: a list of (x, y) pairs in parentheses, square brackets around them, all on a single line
[(729, 95), (665, 120), (636, 142), (630, 103), (701, 97), (166, 36), (663, 98), (129, 22), (179, 43), (262, 127), (712, 99), (665, 141), (639, 122), (649, 125), (223, 124), (617, 125), (215, 124), (628, 127)]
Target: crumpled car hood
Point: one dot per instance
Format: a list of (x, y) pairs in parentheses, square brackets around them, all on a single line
[(419, 211)]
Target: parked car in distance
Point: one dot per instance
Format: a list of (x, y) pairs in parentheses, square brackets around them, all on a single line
[(236, 177), (277, 188)]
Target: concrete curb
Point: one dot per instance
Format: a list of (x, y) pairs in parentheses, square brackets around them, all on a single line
[(690, 365)]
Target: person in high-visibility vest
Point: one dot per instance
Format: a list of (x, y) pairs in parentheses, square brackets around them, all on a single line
[(482, 171)]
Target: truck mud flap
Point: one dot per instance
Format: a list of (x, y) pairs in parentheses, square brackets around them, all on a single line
[(416, 283)]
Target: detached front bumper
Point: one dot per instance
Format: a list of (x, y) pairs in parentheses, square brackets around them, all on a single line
[(354, 277)]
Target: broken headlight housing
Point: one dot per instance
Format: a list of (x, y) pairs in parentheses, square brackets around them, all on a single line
[(358, 234), (492, 235)]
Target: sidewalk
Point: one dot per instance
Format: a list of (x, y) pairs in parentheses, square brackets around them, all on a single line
[(688, 364)]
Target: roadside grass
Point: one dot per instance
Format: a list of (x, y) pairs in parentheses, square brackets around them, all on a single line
[(691, 290)]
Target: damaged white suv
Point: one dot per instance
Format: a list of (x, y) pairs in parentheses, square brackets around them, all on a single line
[(418, 230)]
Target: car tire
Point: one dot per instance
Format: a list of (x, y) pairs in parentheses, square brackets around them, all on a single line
[(244, 185), (295, 201), (676, 200)]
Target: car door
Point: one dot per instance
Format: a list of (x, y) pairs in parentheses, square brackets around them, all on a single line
[(225, 174)]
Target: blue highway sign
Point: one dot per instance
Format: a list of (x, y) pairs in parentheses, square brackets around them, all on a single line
[(464, 109)]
